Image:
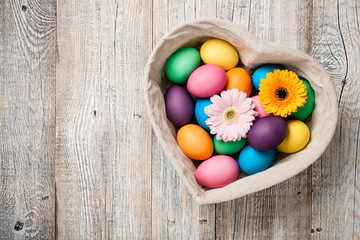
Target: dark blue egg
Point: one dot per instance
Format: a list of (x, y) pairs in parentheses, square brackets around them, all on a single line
[(261, 72), (200, 115), (252, 161)]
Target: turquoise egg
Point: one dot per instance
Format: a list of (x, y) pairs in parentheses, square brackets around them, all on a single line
[(261, 72), (253, 161), (200, 115)]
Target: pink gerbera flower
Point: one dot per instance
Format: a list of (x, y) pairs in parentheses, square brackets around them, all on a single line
[(230, 115)]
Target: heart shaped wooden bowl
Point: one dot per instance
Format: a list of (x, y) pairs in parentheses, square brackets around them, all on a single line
[(253, 52)]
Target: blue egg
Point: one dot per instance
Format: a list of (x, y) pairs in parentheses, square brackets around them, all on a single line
[(252, 161), (261, 72), (200, 115)]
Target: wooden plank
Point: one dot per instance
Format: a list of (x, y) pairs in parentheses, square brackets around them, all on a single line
[(103, 168), (174, 213), (282, 211), (107, 186), (27, 119), (336, 176)]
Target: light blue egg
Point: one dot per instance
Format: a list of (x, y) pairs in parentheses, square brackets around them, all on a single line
[(261, 72), (200, 115), (252, 161)]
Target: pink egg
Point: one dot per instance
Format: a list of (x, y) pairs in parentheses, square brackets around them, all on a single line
[(206, 80), (259, 108), (217, 171)]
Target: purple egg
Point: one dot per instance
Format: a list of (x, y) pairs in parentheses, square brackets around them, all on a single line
[(179, 105), (267, 133)]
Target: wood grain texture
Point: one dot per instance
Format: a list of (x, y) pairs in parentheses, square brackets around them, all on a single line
[(103, 162), (27, 119), (78, 159), (335, 176), (282, 211), (174, 214)]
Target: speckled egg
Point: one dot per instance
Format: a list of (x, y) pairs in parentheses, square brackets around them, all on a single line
[(206, 81), (217, 171)]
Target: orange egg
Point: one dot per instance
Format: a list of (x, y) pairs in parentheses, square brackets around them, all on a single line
[(195, 142), (239, 78)]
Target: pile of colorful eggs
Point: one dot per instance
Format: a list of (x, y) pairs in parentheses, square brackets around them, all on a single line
[(223, 113)]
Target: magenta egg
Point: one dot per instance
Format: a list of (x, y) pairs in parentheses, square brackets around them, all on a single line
[(179, 105), (217, 171), (267, 133), (259, 108), (206, 80)]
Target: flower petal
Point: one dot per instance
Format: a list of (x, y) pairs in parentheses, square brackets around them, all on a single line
[(213, 110), (225, 135), (216, 121), (217, 100)]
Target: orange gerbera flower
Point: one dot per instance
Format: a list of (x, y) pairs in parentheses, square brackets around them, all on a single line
[(282, 92)]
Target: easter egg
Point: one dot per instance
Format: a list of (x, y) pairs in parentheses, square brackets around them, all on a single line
[(305, 111), (267, 133), (181, 64), (219, 52), (230, 147), (200, 115), (206, 81), (259, 108), (179, 105), (217, 171), (239, 78), (195, 142), (297, 136), (261, 72), (252, 161)]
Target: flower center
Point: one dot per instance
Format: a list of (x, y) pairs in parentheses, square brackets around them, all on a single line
[(230, 115), (281, 93)]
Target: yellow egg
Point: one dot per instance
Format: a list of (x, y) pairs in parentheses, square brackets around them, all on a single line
[(219, 52), (297, 136)]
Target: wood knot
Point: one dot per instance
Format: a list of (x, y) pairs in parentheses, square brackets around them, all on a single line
[(19, 226), (24, 8)]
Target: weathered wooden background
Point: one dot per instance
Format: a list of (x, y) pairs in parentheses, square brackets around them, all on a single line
[(78, 156)]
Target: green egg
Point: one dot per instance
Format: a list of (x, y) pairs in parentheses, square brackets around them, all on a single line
[(228, 148), (305, 111), (181, 64)]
